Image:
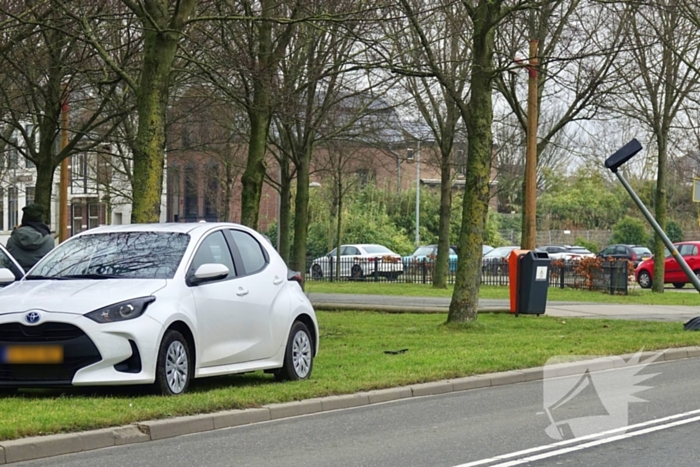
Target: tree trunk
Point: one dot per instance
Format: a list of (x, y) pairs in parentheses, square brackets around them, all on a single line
[(338, 237), (443, 255), (660, 214), (301, 213), (283, 226), (152, 102), (44, 186), (465, 299), (228, 191)]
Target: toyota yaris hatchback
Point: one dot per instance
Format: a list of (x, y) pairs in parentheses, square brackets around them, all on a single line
[(159, 304)]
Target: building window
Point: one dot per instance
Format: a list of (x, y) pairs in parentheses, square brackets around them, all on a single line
[(191, 193), (409, 154), (211, 200), (79, 173), (93, 215), (77, 218), (30, 195), (174, 193), (364, 176), (12, 208), (461, 162)]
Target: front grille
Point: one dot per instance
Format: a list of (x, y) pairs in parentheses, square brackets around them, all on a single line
[(46, 332), (78, 352)]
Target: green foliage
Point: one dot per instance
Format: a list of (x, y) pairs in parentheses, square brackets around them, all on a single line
[(629, 230), (590, 246), (674, 231), (587, 202)]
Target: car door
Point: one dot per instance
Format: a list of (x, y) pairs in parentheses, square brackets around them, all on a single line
[(671, 266), (218, 319), (693, 257), (689, 252), (262, 309), (349, 256)]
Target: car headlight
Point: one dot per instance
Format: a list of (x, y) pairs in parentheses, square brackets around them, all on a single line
[(121, 311)]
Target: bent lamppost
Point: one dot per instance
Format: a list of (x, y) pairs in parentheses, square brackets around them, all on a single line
[(616, 161)]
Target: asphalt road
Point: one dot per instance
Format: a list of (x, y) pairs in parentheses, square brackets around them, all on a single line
[(458, 429)]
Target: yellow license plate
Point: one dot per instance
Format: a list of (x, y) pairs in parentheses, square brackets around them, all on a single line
[(19, 354)]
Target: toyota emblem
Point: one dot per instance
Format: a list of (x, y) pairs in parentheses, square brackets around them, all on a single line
[(32, 317)]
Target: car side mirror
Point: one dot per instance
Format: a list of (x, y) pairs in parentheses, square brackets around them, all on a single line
[(209, 272), (6, 276)]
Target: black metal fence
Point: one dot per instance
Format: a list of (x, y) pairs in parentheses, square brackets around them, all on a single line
[(609, 276)]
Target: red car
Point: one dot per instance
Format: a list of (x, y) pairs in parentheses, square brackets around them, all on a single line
[(673, 272)]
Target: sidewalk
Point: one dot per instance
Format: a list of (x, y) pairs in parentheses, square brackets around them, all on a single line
[(398, 304)]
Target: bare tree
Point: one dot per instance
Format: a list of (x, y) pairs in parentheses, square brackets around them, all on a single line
[(477, 112), (657, 82), (443, 29), (47, 69)]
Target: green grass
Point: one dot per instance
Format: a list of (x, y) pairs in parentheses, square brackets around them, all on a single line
[(636, 295), (352, 359)]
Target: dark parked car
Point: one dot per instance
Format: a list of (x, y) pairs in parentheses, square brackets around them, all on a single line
[(634, 253)]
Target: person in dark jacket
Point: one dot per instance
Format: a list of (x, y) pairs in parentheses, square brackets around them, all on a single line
[(31, 241)]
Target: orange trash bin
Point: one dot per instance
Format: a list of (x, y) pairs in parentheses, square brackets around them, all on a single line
[(514, 277)]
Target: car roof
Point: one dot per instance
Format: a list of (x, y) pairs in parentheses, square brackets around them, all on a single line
[(191, 228)]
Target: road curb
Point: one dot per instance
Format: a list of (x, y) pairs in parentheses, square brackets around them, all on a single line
[(395, 309), (54, 445)]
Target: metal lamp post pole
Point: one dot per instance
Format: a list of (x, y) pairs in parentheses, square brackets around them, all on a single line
[(613, 163), (418, 196)]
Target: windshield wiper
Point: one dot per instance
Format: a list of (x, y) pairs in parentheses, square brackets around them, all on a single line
[(36, 277), (88, 276)]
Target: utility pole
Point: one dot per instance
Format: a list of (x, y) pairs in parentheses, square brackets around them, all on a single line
[(418, 196), (530, 216), (64, 180)]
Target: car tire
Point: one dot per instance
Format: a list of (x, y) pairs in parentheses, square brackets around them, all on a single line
[(299, 355), (356, 272), (174, 368), (679, 285), (316, 272), (644, 280)]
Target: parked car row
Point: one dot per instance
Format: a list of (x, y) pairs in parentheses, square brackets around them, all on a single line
[(361, 260)]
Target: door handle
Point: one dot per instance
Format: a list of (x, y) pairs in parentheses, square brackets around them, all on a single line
[(241, 292), (277, 281)]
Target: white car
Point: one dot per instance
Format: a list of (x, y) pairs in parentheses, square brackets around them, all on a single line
[(358, 261), (566, 252), (162, 304)]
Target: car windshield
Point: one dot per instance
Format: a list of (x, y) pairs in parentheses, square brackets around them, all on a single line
[(133, 255), (581, 251), (642, 251), (374, 249), (423, 251)]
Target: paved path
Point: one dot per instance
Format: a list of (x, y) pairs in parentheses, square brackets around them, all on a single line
[(674, 313)]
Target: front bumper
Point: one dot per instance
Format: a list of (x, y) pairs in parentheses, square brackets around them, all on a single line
[(93, 354)]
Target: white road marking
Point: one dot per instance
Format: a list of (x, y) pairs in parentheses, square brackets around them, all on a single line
[(606, 435)]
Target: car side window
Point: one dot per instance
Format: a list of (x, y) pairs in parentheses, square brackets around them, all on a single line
[(351, 251), (607, 252), (688, 250), (620, 250), (250, 250), (214, 250)]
